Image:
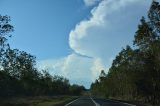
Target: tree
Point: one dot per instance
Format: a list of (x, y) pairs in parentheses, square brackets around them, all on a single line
[(135, 73), (5, 29), (147, 38)]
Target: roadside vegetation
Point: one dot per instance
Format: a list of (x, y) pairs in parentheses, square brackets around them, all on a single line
[(36, 100), (20, 78), (135, 72)]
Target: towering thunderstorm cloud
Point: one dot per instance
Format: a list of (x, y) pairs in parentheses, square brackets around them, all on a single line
[(110, 27)]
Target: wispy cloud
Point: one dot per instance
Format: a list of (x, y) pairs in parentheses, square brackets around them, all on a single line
[(90, 2)]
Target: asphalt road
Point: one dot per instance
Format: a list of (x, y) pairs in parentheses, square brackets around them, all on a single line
[(88, 101)]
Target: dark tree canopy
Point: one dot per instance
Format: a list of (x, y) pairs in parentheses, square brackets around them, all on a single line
[(135, 73), (19, 75)]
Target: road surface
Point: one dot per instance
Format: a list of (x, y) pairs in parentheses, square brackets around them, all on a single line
[(88, 101)]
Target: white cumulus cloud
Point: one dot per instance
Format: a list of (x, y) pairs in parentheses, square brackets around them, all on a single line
[(96, 68), (111, 25), (74, 67), (108, 20)]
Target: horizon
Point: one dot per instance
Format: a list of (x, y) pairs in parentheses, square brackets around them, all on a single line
[(75, 38)]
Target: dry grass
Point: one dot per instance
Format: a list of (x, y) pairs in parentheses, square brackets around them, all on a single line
[(34, 101)]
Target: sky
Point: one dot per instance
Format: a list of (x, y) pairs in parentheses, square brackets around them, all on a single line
[(74, 38)]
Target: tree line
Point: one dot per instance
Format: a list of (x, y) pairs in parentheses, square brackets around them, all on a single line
[(18, 75), (135, 71)]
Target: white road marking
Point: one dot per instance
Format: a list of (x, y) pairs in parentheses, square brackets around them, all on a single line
[(71, 102), (123, 103), (95, 102)]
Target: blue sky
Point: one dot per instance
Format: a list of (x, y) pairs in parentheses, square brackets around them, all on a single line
[(43, 25), (74, 38)]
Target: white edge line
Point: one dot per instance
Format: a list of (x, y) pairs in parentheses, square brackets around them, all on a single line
[(95, 102), (123, 102), (71, 102)]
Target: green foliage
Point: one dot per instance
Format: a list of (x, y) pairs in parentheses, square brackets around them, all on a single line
[(5, 29), (135, 73), (76, 89), (18, 75)]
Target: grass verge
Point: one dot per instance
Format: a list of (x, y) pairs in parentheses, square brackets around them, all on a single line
[(35, 101)]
